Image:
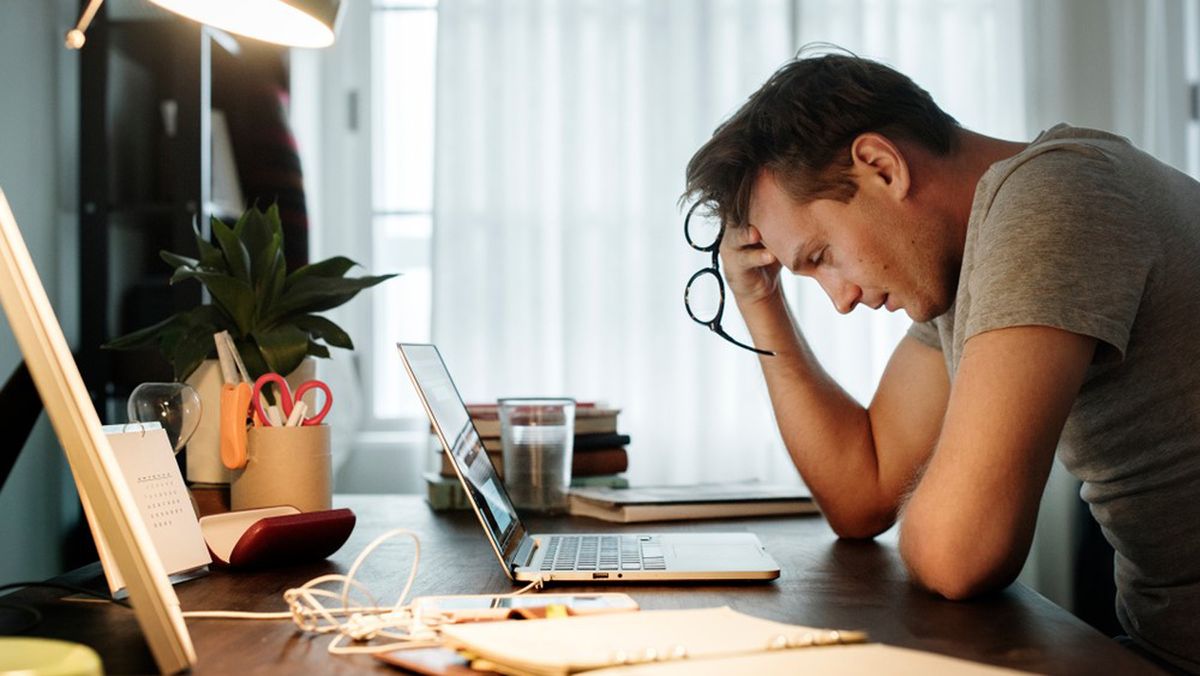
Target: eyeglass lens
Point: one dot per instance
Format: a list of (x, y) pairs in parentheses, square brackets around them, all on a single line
[(702, 227), (703, 296)]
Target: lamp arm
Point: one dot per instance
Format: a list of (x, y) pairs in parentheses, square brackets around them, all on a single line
[(75, 37)]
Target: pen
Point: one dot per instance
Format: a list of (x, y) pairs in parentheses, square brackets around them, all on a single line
[(297, 415)]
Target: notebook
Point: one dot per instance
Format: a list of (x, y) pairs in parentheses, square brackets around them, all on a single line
[(591, 557), (696, 501), (693, 642)]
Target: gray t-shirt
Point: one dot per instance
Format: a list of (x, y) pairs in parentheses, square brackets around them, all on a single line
[(1083, 232)]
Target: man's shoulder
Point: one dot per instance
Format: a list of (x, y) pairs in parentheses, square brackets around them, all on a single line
[(1062, 159)]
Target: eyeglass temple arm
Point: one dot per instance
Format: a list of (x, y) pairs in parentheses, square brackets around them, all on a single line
[(716, 328)]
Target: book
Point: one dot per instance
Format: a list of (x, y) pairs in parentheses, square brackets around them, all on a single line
[(443, 494), (698, 501), (446, 493), (596, 461), (590, 418), (583, 442), (593, 462), (697, 641)]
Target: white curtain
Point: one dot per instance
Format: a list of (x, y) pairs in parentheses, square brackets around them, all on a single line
[(563, 129), (1113, 65)]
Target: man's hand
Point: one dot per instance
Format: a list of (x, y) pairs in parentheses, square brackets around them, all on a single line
[(750, 270)]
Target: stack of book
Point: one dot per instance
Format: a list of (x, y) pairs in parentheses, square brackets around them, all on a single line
[(599, 458)]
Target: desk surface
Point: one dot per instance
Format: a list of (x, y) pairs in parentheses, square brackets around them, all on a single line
[(825, 583)]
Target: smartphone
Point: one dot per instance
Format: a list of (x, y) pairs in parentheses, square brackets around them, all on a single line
[(485, 607)]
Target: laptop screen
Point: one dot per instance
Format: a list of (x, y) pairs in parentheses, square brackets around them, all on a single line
[(461, 440)]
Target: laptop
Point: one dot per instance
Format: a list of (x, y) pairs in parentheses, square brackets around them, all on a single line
[(574, 557)]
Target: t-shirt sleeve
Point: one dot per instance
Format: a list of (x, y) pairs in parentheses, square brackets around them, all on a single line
[(926, 333), (1062, 245)]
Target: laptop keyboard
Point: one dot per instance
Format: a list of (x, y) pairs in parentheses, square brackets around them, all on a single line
[(602, 553)]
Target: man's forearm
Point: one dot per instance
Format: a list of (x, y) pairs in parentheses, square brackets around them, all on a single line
[(827, 433)]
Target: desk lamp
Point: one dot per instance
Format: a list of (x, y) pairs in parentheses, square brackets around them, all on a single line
[(293, 23)]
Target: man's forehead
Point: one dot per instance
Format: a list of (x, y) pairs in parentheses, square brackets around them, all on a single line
[(766, 194)]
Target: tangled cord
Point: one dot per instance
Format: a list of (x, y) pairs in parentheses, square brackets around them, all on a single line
[(359, 623)]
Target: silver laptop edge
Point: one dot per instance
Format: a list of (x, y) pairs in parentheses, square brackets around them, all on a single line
[(726, 556)]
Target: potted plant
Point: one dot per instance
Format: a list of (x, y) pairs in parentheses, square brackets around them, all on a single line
[(270, 313)]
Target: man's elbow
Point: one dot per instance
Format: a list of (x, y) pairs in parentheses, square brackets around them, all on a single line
[(860, 524), (949, 573)]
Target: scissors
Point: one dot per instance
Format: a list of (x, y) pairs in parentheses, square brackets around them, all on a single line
[(289, 398)]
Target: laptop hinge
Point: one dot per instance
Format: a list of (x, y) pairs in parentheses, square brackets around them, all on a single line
[(524, 553)]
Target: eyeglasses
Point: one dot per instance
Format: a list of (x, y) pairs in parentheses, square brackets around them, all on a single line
[(704, 296)]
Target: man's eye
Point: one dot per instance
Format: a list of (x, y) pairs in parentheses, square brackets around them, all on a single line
[(817, 258)]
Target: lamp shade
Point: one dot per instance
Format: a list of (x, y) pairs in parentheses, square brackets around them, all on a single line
[(295, 23)]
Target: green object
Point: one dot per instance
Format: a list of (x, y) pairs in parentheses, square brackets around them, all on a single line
[(600, 481), (47, 657), (446, 493), (272, 315)]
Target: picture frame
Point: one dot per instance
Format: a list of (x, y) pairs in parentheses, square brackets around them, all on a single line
[(102, 489)]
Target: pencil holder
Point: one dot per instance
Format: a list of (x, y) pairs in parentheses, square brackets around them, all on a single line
[(285, 466)]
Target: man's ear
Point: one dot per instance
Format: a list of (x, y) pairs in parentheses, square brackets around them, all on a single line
[(879, 160)]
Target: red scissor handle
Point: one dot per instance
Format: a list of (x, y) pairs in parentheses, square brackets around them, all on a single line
[(285, 396), (288, 399), (314, 385)]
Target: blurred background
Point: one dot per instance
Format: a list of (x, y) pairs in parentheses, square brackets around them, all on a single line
[(520, 163)]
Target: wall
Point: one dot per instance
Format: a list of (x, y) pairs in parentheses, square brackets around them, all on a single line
[(37, 158)]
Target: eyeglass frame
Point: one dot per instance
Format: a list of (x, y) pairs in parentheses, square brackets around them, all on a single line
[(713, 269)]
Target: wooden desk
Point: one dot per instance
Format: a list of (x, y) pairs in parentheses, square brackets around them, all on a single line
[(825, 583)]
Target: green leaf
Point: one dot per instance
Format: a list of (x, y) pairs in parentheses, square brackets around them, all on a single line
[(282, 347), (236, 255), (337, 266), (258, 228), (252, 357), (321, 328), (317, 294), (189, 352), (177, 261), (147, 337), (269, 284), (210, 256), (318, 350), (233, 296), (185, 338)]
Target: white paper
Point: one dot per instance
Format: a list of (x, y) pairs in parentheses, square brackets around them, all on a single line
[(148, 465)]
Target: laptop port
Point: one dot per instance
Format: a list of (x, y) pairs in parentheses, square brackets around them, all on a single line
[(599, 576)]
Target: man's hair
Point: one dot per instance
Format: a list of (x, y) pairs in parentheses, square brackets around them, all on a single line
[(800, 125)]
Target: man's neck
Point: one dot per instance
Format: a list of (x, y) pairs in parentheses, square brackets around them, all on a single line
[(973, 155)]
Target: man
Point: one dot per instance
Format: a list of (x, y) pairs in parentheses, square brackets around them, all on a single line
[(1055, 292)]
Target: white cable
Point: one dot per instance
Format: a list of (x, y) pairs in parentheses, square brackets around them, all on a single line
[(364, 621)]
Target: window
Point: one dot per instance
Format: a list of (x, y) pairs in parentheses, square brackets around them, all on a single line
[(404, 46)]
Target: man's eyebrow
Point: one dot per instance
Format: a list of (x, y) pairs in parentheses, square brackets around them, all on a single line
[(799, 259)]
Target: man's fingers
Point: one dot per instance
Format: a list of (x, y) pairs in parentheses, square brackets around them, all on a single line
[(750, 256), (743, 237), (753, 236)]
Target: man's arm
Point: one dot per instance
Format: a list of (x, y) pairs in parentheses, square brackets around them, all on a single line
[(858, 462), (969, 524)]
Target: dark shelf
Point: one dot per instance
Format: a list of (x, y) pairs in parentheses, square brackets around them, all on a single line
[(144, 180)]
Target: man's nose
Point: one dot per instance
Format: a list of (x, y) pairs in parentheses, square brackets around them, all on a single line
[(843, 294)]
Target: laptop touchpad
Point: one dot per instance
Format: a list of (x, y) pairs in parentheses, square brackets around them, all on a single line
[(719, 557)]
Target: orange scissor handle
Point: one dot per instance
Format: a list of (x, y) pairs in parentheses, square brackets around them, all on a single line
[(235, 401)]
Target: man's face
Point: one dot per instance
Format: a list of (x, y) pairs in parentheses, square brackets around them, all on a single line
[(874, 249)]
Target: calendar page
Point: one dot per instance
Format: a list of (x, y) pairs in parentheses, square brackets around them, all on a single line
[(149, 467)]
